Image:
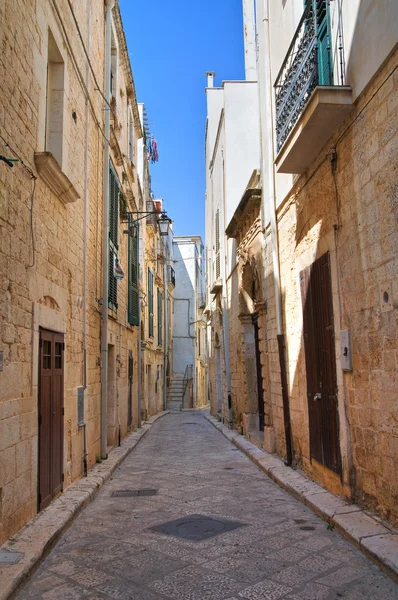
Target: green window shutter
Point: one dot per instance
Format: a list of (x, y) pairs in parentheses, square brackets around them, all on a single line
[(325, 70), (113, 236), (160, 318), (133, 274), (150, 303)]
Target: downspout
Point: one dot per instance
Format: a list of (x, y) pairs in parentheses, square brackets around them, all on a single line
[(86, 231), (105, 233), (166, 335), (225, 303), (139, 348), (268, 205)]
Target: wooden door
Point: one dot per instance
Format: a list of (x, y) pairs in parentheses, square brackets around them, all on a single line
[(51, 412), (320, 360)]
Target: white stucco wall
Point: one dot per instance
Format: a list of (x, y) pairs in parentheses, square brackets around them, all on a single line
[(185, 306)]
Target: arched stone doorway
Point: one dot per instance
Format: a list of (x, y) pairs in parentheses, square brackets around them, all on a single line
[(250, 300)]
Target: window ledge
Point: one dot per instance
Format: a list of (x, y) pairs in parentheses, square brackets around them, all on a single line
[(216, 287), (326, 110), (52, 174)]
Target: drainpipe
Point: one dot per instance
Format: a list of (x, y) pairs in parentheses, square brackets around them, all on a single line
[(105, 235), (249, 27), (225, 302), (268, 204), (165, 335), (139, 348), (86, 231)]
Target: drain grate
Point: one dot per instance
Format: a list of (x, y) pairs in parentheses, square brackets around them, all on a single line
[(307, 528), (133, 493), (197, 528)]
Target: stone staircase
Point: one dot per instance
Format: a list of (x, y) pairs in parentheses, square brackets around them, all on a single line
[(175, 392)]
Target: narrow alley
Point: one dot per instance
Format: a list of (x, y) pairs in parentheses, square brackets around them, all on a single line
[(253, 540)]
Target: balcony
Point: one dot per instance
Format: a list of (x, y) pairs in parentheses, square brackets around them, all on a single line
[(310, 107)]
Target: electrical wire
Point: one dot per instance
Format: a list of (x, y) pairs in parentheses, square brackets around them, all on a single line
[(32, 196)]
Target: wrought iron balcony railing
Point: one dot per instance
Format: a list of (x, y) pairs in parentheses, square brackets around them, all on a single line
[(308, 64)]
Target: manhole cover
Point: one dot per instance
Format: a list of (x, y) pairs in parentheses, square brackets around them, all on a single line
[(9, 558), (197, 528), (131, 493)]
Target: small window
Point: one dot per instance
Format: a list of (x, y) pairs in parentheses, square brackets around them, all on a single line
[(55, 100), (130, 134)]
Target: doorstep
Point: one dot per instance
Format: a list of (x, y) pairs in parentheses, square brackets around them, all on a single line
[(22, 554), (376, 539)]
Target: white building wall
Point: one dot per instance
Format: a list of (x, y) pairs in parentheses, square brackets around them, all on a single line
[(184, 304)]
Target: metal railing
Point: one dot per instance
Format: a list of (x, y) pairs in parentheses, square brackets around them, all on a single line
[(187, 377), (308, 64)]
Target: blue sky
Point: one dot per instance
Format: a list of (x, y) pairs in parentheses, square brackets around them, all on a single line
[(172, 45)]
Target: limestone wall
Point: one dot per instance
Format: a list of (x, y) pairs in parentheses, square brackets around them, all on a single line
[(45, 288), (359, 200)]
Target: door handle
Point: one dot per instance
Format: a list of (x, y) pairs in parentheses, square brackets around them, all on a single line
[(318, 396)]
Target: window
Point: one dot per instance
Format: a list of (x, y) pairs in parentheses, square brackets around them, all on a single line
[(55, 100), (114, 190), (160, 318), (150, 303), (130, 134), (133, 274)]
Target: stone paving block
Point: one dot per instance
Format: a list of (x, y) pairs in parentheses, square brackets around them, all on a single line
[(384, 548), (284, 550), (358, 525), (349, 519)]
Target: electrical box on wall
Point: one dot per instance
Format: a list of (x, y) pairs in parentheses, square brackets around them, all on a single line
[(346, 354), (80, 406)]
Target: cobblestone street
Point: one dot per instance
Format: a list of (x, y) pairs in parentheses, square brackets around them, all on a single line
[(280, 550)]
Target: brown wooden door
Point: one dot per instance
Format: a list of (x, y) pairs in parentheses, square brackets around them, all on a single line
[(51, 411), (320, 360)]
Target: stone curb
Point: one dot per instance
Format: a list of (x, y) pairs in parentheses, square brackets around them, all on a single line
[(376, 541), (36, 538)]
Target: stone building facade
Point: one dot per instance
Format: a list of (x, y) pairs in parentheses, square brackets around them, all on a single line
[(52, 119), (329, 255)]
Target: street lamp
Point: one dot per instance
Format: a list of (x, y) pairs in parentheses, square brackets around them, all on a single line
[(164, 224), (163, 221)]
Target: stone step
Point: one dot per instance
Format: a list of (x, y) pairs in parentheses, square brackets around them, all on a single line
[(174, 406)]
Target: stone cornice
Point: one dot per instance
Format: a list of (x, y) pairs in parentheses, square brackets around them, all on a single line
[(52, 174)]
